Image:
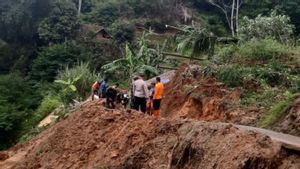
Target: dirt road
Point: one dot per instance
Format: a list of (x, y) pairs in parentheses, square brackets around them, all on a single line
[(288, 141)]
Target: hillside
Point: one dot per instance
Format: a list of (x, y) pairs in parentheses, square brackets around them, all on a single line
[(96, 138), (231, 102), (190, 134)]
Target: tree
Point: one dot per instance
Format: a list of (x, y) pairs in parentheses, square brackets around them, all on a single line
[(272, 26), (68, 89), (19, 19), (53, 58), (104, 14), (79, 7), (61, 25), (129, 66), (83, 84), (194, 42), (17, 102), (231, 6)]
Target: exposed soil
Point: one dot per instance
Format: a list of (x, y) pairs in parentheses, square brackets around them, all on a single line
[(290, 123), (95, 137), (98, 138), (189, 95)]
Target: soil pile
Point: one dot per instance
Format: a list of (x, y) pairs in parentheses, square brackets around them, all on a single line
[(190, 95), (291, 122), (95, 137)]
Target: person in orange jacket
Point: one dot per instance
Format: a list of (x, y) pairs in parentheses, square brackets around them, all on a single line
[(95, 89), (157, 97)]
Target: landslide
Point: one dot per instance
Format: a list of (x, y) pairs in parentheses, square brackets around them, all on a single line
[(190, 95), (290, 123), (97, 138)]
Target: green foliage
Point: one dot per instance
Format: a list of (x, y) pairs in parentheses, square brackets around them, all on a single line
[(194, 42), (83, 84), (276, 112), (48, 105), (232, 76), (68, 89), (262, 27), (51, 59), (61, 25), (104, 13), (17, 101), (130, 65), (19, 19), (257, 51), (123, 32), (295, 84), (271, 75)]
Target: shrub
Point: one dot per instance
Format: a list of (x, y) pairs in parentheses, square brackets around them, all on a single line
[(17, 102), (270, 76), (51, 59), (276, 112), (295, 84), (232, 76), (226, 53), (62, 23), (255, 51), (48, 105), (84, 83), (273, 26), (263, 50), (105, 13), (123, 32)]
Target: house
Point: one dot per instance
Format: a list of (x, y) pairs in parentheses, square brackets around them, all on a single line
[(94, 32), (101, 34)]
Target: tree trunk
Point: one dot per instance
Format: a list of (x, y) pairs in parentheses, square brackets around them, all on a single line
[(223, 9), (232, 18), (237, 16), (79, 7)]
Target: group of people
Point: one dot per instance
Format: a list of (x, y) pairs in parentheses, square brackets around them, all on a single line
[(144, 98), (112, 94), (147, 98)]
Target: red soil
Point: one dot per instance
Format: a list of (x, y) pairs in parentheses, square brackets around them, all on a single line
[(202, 98)]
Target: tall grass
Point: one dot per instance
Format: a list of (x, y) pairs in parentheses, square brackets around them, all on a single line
[(232, 75), (276, 112), (255, 51)]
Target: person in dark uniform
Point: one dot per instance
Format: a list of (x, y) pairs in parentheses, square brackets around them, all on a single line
[(111, 96)]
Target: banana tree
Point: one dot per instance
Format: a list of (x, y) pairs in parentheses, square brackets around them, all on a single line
[(68, 89), (130, 65)]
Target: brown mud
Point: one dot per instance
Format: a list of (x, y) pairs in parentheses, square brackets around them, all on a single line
[(95, 137), (190, 95)]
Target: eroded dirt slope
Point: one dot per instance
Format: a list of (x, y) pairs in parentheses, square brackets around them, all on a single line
[(190, 95), (96, 138), (290, 123)]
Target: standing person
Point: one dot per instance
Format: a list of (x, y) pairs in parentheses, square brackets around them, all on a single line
[(150, 100), (140, 93), (103, 88), (157, 97), (111, 96), (95, 89)]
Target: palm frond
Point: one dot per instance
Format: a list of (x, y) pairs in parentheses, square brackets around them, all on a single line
[(150, 69)]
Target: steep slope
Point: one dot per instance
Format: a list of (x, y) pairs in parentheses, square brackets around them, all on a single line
[(95, 137), (190, 95), (290, 123)]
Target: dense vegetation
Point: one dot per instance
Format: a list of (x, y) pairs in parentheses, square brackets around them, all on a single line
[(51, 52)]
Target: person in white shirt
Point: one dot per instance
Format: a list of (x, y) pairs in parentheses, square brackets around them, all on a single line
[(141, 94)]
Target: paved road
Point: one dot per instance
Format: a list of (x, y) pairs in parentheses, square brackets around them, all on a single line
[(288, 141)]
